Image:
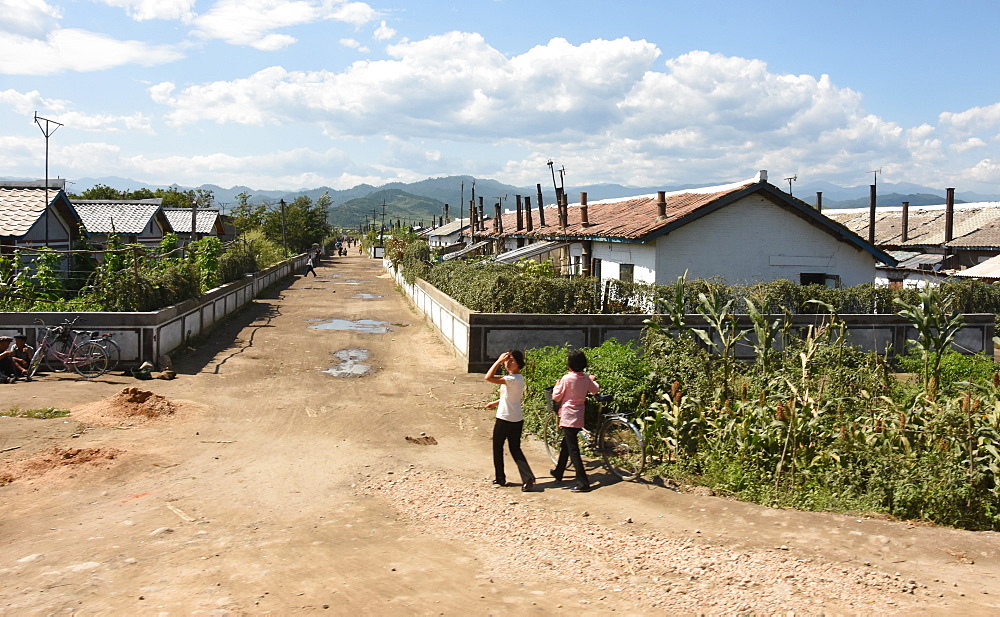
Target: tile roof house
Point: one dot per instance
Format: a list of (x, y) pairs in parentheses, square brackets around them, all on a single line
[(33, 215), (209, 223), (973, 237), (134, 221), (743, 232)]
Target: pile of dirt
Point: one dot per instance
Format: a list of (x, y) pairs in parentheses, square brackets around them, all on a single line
[(129, 407), (55, 459)]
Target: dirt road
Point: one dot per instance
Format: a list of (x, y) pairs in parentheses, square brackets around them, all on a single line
[(276, 477)]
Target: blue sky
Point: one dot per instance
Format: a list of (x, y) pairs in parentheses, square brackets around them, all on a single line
[(289, 94)]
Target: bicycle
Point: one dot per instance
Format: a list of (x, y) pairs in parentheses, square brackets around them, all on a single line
[(619, 441), (109, 345), (59, 344)]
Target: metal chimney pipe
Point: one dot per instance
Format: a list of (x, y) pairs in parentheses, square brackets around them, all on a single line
[(447, 215), (949, 215), (497, 221), (819, 201), (584, 215), (482, 215), (871, 215), (473, 225), (541, 207), (527, 211), (564, 199), (520, 212), (661, 205), (906, 221)]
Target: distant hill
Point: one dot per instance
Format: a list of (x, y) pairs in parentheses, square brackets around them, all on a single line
[(422, 200), (400, 206)]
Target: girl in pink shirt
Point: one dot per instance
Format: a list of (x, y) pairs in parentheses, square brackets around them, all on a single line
[(572, 391)]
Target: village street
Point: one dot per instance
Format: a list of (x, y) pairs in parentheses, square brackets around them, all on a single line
[(284, 483)]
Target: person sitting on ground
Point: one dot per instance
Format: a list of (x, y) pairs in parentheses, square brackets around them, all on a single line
[(22, 353), (8, 368)]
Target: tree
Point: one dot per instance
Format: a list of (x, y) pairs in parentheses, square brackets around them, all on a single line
[(247, 216)]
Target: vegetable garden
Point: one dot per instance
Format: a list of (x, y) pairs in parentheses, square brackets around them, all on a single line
[(813, 423)]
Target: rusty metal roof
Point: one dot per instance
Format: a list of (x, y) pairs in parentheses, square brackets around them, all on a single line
[(636, 219), (118, 216), (989, 269), (632, 218), (976, 225)]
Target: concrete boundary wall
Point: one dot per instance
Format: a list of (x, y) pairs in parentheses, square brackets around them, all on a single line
[(145, 336), (478, 338)]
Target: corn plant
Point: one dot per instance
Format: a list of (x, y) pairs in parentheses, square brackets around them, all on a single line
[(936, 325)]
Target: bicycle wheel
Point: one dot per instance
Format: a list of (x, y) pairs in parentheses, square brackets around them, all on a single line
[(111, 348), (622, 448), (36, 361), (53, 362), (90, 360)]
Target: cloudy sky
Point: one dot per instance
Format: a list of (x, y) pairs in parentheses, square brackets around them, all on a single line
[(288, 94)]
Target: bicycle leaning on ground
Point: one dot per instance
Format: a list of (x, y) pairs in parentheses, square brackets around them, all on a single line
[(618, 440), (60, 351)]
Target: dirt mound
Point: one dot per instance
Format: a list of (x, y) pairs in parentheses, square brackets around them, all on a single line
[(423, 440), (129, 407), (54, 459)]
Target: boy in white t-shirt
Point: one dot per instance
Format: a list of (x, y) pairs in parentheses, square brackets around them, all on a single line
[(510, 419)]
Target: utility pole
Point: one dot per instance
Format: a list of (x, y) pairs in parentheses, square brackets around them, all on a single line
[(382, 231), (284, 242), (47, 131)]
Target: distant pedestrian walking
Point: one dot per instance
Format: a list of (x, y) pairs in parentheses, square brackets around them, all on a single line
[(309, 266)]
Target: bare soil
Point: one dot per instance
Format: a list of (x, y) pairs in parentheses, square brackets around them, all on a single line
[(260, 481)]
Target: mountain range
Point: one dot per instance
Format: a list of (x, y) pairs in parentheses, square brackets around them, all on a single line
[(422, 201)]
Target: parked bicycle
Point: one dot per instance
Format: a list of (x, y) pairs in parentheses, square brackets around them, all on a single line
[(59, 350), (618, 440)]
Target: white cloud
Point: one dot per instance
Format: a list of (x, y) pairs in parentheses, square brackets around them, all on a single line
[(143, 10), (251, 22), (28, 18), (76, 50), (353, 44), (384, 32), (27, 103)]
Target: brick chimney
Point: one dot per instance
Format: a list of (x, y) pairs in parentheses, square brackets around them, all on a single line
[(906, 221), (527, 211), (447, 216), (661, 205), (541, 206), (584, 215), (520, 213), (498, 219), (949, 215)]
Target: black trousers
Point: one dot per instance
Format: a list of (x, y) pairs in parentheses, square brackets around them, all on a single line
[(509, 433), (569, 449)]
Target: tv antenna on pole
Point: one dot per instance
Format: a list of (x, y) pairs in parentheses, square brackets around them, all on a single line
[(876, 172), (47, 131), (789, 180)]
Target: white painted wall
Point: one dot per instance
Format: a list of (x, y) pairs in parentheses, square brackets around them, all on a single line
[(751, 240), (642, 256)]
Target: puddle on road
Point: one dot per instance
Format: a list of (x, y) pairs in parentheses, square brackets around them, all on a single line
[(368, 326), (364, 296), (351, 363), (353, 282)]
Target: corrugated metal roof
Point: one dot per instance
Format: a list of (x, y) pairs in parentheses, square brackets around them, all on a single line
[(469, 249), (21, 207), (117, 216), (989, 269), (526, 252), (180, 220), (976, 226), (449, 228)]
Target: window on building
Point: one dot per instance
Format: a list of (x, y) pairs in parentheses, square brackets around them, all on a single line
[(595, 267), (626, 273), (577, 265), (819, 278)]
